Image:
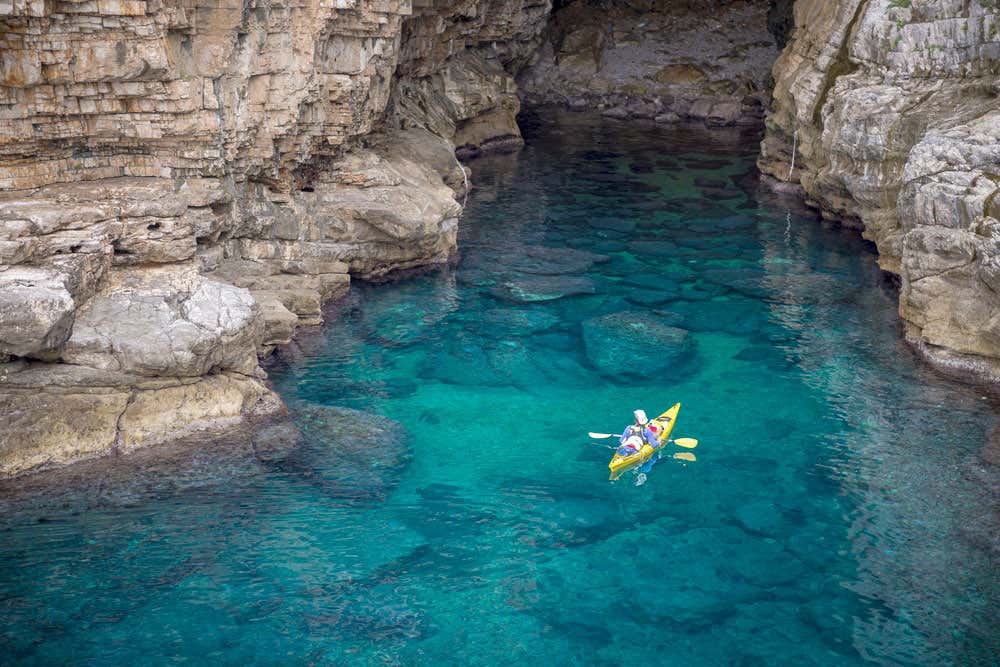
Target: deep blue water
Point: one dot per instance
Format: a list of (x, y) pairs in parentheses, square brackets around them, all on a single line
[(839, 510)]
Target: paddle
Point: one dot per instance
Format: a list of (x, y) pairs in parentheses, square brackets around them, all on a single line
[(689, 443), (601, 444), (685, 456)]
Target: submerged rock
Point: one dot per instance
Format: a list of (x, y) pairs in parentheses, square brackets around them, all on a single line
[(515, 321), (354, 457), (554, 261), (529, 289), (631, 344)]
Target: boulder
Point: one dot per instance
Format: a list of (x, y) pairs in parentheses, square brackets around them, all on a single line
[(635, 345), (167, 321), (36, 311), (279, 322), (726, 112), (529, 289), (668, 117), (516, 322), (553, 261), (353, 456)]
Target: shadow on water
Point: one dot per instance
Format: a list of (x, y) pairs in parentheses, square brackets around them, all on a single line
[(436, 498)]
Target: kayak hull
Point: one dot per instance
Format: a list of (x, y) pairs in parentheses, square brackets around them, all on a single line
[(664, 427)]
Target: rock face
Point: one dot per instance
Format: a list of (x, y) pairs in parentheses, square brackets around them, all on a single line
[(655, 59), (181, 186), (892, 111)]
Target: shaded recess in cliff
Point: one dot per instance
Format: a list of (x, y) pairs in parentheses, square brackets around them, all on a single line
[(668, 60)]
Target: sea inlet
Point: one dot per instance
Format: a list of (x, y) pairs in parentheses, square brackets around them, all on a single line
[(446, 505)]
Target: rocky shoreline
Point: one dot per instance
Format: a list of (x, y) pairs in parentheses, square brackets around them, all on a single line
[(890, 110), (181, 189)]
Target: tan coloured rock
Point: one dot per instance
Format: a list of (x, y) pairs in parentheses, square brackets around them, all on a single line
[(44, 429), (165, 413), (279, 322), (58, 413)]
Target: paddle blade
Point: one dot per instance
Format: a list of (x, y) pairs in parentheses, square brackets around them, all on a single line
[(602, 435), (690, 443), (685, 456)]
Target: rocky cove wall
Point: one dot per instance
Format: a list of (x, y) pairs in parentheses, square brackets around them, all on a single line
[(892, 111), (184, 183), (891, 108)]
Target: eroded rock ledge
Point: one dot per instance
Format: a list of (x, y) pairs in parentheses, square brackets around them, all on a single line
[(182, 185)]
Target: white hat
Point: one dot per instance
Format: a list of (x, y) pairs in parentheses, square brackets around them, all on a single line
[(640, 417)]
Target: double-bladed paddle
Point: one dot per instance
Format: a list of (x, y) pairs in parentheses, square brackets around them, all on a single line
[(690, 443)]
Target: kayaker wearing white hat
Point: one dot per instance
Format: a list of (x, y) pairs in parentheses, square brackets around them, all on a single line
[(634, 435)]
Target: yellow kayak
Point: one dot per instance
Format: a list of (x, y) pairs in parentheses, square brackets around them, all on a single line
[(662, 426)]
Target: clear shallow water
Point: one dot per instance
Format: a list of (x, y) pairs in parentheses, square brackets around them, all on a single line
[(838, 511)]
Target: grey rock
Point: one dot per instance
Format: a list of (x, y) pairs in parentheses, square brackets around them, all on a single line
[(36, 311), (903, 140), (616, 112), (668, 117), (636, 59), (168, 322)]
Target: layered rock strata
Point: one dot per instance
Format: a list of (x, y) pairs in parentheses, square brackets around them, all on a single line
[(182, 185), (892, 111), (655, 59)]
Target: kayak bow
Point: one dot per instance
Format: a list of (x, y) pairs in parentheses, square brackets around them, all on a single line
[(664, 425)]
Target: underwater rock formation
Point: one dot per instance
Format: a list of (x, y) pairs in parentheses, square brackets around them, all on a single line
[(892, 110)]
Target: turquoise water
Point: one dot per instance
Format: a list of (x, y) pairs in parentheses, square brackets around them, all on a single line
[(839, 511)]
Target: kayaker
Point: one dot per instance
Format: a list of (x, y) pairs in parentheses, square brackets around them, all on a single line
[(634, 435)]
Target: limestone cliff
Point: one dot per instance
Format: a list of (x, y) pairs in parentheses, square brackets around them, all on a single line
[(182, 184), (892, 108)]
